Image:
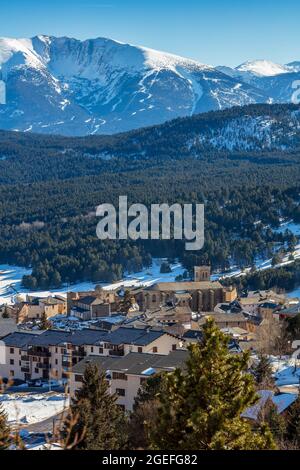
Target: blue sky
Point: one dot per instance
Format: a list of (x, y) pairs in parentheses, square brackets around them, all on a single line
[(213, 32)]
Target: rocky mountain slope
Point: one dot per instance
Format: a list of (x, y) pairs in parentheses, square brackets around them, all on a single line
[(99, 86)]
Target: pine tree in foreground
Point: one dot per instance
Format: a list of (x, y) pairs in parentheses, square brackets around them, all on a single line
[(293, 423), (4, 430), (98, 423), (144, 414), (201, 406)]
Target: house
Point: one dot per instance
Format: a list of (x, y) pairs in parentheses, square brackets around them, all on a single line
[(90, 307), (267, 309), (12, 353), (45, 354), (8, 311), (128, 339), (289, 312), (92, 304), (52, 353), (33, 308), (196, 336), (225, 320), (125, 375)]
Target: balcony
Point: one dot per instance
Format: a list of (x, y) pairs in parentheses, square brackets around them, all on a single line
[(115, 352), (79, 354), (25, 369), (66, 364), (25, 358), (41, 365), (38, 353)]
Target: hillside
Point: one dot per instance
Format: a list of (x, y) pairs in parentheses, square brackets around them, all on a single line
[(262, 132), (50, 187)]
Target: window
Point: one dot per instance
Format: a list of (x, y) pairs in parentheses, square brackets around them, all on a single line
[(100, 350), (11, 350), (153, 298), (174, 347), (56, 350), (119, 376), (11, 361), (120, 392), (36, 370), (140, 349), (143, 380), (11, 373), (92, 348), (78, 378), (56, 361), (154, 349)]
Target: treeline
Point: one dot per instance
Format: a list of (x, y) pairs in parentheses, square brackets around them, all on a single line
[(283, 278)]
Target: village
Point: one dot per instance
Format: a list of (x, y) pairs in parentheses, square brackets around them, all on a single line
[(132, 333)]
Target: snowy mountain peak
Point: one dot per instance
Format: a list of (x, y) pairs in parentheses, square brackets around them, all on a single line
[(262, 68), (62, 85)]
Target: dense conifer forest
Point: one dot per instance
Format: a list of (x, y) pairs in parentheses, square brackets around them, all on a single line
[(50, 187)]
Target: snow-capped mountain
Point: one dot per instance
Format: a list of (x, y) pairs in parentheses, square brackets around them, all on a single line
[(72, 87), (263, 68), (274, 80), (100, 86)]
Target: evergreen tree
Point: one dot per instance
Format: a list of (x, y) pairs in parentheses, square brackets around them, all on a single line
[(201, 406), (99, 423), (293, 423), (144, 414), (4, 430), (45, 323), (263, 373), (165, 268), (126, 303), (276, 422)]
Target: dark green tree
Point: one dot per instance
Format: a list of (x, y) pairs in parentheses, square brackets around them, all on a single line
[(293, 423), (201, 405), (165, 268), (263, 373), (4, 430), (144, 413), (126, 302), (96, 422), (45, 323), (293, 327)]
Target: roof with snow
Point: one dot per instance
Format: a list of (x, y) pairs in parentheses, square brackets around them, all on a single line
[(281, 401)]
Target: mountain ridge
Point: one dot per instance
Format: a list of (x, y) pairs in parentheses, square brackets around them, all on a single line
[(103, 86)]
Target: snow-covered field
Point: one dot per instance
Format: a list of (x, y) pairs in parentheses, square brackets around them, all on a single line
[(11, 277), (32, 408)]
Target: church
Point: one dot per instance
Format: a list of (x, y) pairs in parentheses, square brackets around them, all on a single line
[(201, 294)]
